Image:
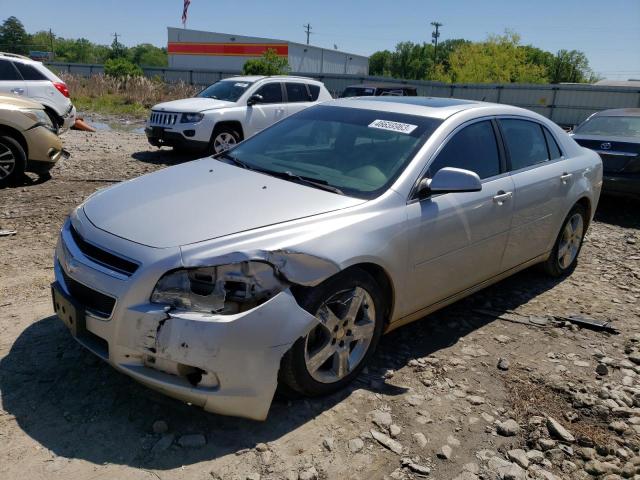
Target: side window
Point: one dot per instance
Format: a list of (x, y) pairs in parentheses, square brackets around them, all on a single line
[(554, 150), (472, 148), (525, 143), (297, 92), (271, 93), (314, 90), (7, 71), (29, 72)]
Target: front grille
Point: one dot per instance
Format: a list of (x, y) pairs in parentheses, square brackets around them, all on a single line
[(163, 118), (95, 302), (102, 257)]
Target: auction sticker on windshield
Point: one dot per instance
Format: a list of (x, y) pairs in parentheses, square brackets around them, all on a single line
[(399, 127)]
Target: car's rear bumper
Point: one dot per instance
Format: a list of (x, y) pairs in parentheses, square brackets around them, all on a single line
[(621, 184), (159, 137)]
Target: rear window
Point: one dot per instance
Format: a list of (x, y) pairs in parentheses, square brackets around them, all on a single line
[(29, 72), (554, 150), (297, 92), (525, 142), (7, 71)]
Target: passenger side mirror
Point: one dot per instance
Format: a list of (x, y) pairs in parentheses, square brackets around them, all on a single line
[(448, 180), (255, 98)]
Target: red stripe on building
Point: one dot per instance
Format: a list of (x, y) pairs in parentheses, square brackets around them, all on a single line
[(240, 49)]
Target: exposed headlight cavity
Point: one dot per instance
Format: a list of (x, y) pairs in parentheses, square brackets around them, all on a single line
[(224, 289), (39, 116), (191, 117)]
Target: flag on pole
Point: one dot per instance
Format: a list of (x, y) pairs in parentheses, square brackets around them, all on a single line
[(184, 12)]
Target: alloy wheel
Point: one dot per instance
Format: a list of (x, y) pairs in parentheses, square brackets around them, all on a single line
[(338, 345), (223, 142), (7, 161), (571, 241)]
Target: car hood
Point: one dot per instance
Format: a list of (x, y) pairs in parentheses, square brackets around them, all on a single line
[(202, 200), (195, 104)]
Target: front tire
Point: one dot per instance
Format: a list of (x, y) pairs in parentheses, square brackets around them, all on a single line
[(13, 160), (350, 309), (564, 256), (222, 139)]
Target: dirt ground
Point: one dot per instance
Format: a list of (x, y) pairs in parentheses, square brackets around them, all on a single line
[(434, 404)]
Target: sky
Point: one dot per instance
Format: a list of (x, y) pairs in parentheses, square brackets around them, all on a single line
[(607, 31)]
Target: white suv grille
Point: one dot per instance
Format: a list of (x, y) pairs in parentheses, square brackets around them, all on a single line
[(158, 118)]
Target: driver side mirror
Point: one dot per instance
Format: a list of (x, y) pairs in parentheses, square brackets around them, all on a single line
[(255, 98), (448, 180)]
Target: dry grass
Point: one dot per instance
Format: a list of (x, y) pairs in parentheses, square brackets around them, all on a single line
[(132, 96), (529, 398)]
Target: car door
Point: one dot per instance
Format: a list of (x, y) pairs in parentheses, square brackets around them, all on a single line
[(541, 181), (11, 83), (456, 240), (268, 111), (298, 97)]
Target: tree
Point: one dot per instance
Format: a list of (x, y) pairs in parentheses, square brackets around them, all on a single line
[(118, 50), (380, 63), (148, 55), (570, 66), (498, 59), (121, 67), (269, 64), (13, 37)]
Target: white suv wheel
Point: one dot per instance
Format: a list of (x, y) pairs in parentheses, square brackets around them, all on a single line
[(223, 141)]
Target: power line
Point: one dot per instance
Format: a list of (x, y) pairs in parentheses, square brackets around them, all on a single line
[(435, 35), (307, 28)]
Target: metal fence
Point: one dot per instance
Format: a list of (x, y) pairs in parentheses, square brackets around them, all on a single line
[(564, 104)]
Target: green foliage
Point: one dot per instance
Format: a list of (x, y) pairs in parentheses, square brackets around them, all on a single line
[(118, 50), (500, 58), (269, 64), (13, 37), (148, 55), (121, 67)]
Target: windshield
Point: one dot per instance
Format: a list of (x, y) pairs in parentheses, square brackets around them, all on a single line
[(611, 127), (229, 90), (358, 92), (359, 152)]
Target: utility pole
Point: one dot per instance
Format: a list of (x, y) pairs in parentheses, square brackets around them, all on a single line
[(307, 28), (115, 35), (434, 39), (51, 40)]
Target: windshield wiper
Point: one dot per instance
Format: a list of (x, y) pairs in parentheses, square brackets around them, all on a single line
[(313, 182), (235, 160)]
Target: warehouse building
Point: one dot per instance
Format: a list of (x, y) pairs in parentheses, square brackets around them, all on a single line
[(195, 50)]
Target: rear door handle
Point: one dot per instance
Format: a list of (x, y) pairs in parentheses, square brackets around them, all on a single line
[(502, 197), (17, 91), (565, 177)]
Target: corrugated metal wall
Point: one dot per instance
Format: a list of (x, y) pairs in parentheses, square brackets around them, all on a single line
[(564, 104)]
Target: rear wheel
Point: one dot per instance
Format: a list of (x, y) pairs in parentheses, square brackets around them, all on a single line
[(13, 160), (564, 256), (350, 310)]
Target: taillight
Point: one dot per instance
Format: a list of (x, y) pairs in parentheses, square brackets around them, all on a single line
[(62, 88)]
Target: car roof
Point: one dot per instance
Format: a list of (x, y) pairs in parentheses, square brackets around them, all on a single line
[(256, 78), (382, 85), (434, 107), (619, 112)]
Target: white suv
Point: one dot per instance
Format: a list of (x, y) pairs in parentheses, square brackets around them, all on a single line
[(27, 78), (230, 110)]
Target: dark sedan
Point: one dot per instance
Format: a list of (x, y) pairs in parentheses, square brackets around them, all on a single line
[(615, 136)]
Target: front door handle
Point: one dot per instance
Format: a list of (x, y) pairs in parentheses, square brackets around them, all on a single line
[(565, 177), (502, 197), (17, 91)]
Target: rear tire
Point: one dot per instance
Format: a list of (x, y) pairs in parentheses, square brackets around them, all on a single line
[(564, 256), (350, 307), (13, 161)]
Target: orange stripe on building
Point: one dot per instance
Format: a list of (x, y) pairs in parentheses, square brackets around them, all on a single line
[(227, 49)]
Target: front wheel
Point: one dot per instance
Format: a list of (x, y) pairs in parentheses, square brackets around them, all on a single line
[(223, 139), (350, 311), (13, 160), (564, 256)]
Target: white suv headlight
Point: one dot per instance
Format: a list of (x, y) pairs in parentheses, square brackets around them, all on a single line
[(224, 289), (191, 117)]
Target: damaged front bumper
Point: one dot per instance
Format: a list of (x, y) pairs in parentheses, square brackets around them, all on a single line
[(227, 364)]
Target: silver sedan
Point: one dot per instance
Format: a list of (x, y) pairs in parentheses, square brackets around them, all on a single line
[(284, 260)]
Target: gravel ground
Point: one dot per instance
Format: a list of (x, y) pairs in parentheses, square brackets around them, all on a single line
[(459, 394)]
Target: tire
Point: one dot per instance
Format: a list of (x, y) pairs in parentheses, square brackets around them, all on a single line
[(564, 256), (222, 139), (13, 161), (335, 352)]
